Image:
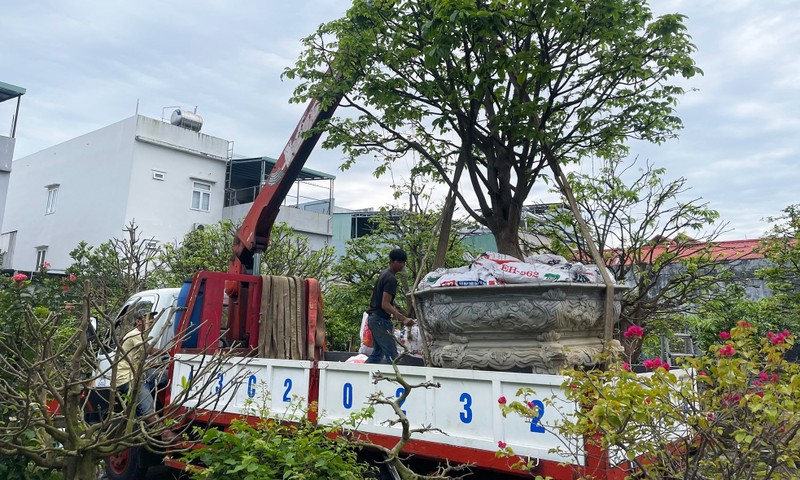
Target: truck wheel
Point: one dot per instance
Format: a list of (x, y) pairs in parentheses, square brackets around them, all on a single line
[(129, 464)]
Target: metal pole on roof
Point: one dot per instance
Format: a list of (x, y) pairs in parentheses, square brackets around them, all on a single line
[(609, 314), (16, 116)]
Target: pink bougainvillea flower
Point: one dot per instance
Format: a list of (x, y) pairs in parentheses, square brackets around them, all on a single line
[(626, 367), (724, 335), (764, 376), (501, 444), (760, 394), (72, 277), (744, 324), (774, 377), (633, 331), (777, 338), (502, 400), (19, 277), (710, 416), (46, 265), (758, 383), (727, 351), (531, 405), (65, 287), (655, 363), (702, 373)]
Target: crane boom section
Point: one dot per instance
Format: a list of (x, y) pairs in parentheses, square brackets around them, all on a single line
[(253, 235)]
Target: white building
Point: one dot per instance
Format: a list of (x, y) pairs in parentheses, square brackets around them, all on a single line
[(8, 92), (165, 178)]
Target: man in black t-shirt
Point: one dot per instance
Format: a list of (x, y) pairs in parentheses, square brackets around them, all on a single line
[(381, 308)]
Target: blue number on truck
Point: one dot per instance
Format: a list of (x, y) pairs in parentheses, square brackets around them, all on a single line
[(535, 427), (251, 386), (466, 415), (347, 396), (288, 384)]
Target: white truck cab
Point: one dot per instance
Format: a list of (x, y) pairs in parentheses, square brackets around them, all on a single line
[(162, 302)]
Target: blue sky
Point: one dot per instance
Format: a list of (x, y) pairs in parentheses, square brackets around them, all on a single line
[(88, 63)]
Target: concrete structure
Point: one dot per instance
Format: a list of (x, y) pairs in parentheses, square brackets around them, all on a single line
[(7, 92), (166, 179)]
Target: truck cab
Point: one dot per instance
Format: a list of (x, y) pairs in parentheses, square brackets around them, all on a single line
[(162, 303)]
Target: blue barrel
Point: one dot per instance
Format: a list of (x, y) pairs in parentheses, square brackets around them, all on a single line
[(190, 338)]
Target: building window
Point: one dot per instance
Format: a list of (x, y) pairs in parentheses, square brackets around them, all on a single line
[(41, 256), (52, 194), (159, 175), (201, 196)]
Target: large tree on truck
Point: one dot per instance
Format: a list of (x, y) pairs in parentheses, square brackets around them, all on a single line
[(499, 89)]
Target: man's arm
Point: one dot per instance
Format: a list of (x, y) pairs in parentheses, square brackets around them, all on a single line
[(386, 305)]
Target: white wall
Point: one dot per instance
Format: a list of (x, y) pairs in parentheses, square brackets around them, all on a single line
[(163, 208), (105, 180), (92, 172)]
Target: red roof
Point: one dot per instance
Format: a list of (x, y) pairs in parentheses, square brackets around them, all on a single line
[(722, 251)]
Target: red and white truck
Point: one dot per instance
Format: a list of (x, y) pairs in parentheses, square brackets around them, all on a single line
[(224, 312)]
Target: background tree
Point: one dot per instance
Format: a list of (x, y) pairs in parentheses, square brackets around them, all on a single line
[(780, 247), (500, 89), (356, 272), (117, 268), (653, 239), (47, 365), (288, 254)]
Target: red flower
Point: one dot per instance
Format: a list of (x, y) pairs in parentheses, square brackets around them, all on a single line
[(531, 405), (744, 324), (72, 277), (774, 377), (760, 394), (501, 444), (702, 373), (19, 277), (647, 400), (502, 400), (633, 331), (626, 367), (777, 338), (724, 335), (46, 265), (655, 363), (65, 287), (727, 351), (764, 376)]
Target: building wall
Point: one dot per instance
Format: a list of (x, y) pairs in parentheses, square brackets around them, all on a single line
[(105, 181), (162, 208), (314, 226), (6, 155), (92, 173)]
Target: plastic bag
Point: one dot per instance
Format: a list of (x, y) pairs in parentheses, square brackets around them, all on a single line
[(360, 358), (366, 333)]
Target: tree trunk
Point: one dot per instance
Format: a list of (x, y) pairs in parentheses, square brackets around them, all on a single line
[(506, 235), (81, 467)]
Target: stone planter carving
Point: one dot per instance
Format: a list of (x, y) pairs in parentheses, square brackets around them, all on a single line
[(542, 327)]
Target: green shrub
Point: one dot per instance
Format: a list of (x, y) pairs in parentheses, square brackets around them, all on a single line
[(273, 449), (730, 414)]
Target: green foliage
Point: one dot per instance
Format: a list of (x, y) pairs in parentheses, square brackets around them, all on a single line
[(116, 269), (730, 414), (211, 248), (780, 246), (20, 468), (497, 89), (208, 248), (366, 257), (290, 254), (272, 449), (654, 241)]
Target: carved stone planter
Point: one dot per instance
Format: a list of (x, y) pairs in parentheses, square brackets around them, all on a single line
[(543, 327)]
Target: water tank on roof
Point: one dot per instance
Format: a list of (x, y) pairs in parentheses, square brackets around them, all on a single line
[(185, 119)]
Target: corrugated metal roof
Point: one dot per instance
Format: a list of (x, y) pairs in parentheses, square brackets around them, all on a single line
[(8, 91)]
